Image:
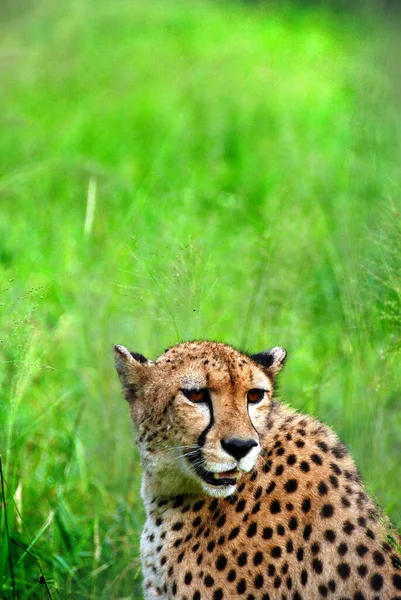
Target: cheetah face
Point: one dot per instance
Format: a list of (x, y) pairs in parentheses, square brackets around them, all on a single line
[(200, 413)]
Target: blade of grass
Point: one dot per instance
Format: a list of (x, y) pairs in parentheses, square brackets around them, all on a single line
[(10, 560)]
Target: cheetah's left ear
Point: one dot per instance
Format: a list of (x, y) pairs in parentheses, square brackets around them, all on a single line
[(132, 368), (272, 360)]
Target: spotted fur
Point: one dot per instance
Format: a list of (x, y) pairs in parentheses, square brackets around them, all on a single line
[(287, 518)]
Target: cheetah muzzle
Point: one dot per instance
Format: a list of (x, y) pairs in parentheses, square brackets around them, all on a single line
[(245, 498)]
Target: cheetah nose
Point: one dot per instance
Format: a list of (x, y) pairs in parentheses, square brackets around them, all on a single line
[(238, 448)]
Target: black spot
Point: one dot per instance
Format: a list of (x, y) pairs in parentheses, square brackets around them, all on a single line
[(258, 558), (322, 488), (241, 586), (218, 594), (317, 565), (197, 521), (293, 523), (306, 505), (188, 578), (378, 558), (343, 570), (279, 470), (345, 502), (397, 581), (348, 527), (231, 575), (332, 585), (256, 508), (291, 459), (240, 505), (271, 569), (329, 535), (252, 530), (289, 546), (333, 480), (300, 443), (342, 549), (304, 577), (267, 533), (304, 466), (242, 559), (210, 546), (361, 550), (233, 533), (209, 581), (316, 459), (396, 561), (259, 580), (266, 468), (362, 570), (221, 521), (275, 507), (258, 493), (362, 521), (270, 487), (280, 530), (291, 486), (276, 552), (339, 451), (221, 562), (334, 467), (323, 590), (198, 505), (307, 532), (376, 582), (196, 596), (300, 554), (370, 534), (277, 582), (315, 548), (359, 596)]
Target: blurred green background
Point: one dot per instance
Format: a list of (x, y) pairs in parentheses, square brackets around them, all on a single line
[(181, 170)]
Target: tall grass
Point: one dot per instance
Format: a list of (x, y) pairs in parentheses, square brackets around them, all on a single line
[(174, 171)]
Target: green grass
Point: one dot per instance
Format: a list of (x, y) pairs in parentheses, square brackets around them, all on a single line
[(245, 166)]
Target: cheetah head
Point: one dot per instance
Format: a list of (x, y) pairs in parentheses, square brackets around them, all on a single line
[(200, 412)]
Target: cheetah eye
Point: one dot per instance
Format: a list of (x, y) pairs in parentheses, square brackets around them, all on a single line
[(255, 396), (195, 395)]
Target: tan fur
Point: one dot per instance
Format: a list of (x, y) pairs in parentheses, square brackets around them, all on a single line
[(296, 524)]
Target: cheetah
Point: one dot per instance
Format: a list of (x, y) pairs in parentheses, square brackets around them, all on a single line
[(245, 498)]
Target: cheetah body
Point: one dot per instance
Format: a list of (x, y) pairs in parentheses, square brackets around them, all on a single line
[(294, 523)]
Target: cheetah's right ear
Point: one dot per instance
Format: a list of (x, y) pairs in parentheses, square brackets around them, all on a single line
[(272, 360), (132, 369)]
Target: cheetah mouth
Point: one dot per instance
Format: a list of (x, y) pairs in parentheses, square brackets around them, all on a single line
[(213, 478)]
